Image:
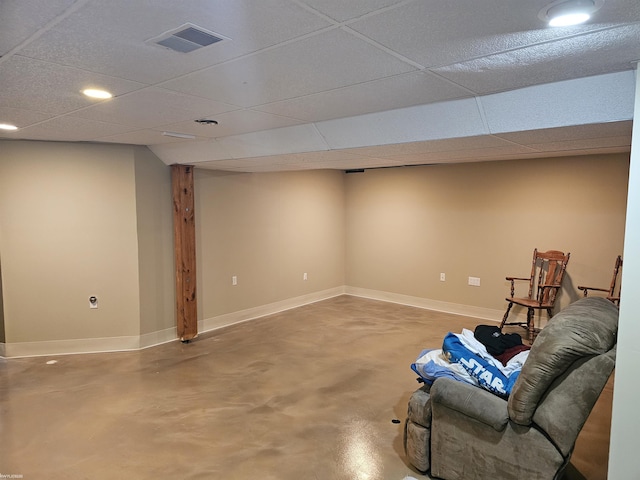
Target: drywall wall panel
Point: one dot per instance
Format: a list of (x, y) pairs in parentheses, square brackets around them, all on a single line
[(623, 457), (452, 119), (583, 101), (406, 226), (267, 230), (559, 104), (2, 334), (155, 242), (68, 220)]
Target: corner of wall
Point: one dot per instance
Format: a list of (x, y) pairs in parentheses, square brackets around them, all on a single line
[(3, 338), (226, 320), (482, 313), (155, 247)]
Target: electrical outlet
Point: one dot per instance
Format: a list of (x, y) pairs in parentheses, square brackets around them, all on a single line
[(234, 280), (304, 276), (443, 277), (474, 281)]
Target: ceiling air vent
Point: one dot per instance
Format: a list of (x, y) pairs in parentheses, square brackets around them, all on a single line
[(187, 38)]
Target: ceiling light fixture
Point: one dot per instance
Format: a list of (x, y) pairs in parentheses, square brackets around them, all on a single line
[(564, 13), (7, 126), (95, 93), (204, 121), (178, 135)]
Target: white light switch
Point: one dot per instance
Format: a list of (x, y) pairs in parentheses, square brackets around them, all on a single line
[(474, 281), (234, 280)]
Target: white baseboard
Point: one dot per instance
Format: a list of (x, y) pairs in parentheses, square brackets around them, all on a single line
[(158, 338), (436, 305), (225, 320), (118, 344), (69, 347), (87, 345)]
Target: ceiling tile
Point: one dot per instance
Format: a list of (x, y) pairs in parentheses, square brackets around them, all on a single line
[(152, 107), (420, 148), (348, 163), (298, 138), (198, 151), (322, 62), (434, 33), (356, 72), (586, 55), (142, 137), (49, 88), (399, 91), (579, 101), (341, 11), (20, 19), (237, 163), (616, 12), (70, 129), (455, 118), (233, 123), (110, 36), (301, 161), (325, 156), (20, 117)]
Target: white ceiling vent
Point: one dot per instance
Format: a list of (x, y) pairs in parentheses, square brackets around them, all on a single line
[(186, 38)]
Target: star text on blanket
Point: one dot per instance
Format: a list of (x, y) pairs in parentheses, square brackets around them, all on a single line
[(483, 374)]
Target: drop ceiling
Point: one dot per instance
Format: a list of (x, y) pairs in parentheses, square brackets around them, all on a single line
[(306, 84)]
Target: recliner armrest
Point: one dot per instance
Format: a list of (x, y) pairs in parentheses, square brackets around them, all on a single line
[(471, 401)]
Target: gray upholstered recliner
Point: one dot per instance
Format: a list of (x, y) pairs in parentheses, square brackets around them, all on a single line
[(459, 431)]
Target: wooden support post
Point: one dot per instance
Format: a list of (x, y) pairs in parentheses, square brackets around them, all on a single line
[(184, 235)]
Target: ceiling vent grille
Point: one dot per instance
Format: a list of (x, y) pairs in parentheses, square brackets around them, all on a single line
[(186, 38)]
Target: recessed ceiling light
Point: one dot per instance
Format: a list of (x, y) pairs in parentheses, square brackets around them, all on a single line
[(569, 19), (95, 93), (6, 126), (564, 13)]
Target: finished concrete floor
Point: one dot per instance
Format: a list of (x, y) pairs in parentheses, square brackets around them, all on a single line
[(310, 393)]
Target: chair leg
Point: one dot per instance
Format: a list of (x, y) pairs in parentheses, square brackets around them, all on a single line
[(530, 324), (550, 313), (506, 314)]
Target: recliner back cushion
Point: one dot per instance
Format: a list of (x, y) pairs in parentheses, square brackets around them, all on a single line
[(587, 327)]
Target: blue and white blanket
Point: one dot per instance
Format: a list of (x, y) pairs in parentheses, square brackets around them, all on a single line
[(463, 358)]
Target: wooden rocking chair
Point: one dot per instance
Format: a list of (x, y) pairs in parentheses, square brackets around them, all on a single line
[(612, 295), (547, 272)]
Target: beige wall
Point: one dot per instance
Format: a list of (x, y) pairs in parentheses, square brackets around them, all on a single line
[(267, 229), (2, 335), (79, 220), (68, 232), (407, 225), (155, 242)]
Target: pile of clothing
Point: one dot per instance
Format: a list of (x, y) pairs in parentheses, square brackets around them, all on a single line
[(485, 357)]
